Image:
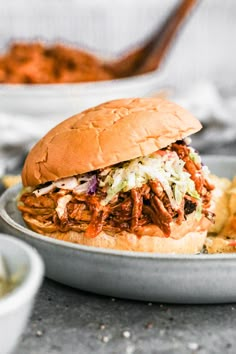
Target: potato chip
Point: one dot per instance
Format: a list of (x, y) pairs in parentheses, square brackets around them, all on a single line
[(10, 180), (220, 200)]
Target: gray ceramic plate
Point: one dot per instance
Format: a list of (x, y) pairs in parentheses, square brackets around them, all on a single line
[(141, 276)]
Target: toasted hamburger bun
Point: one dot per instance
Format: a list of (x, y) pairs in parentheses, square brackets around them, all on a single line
[(110, 133)]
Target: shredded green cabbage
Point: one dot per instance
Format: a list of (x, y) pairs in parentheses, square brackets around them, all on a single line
[(194, 156), (197, 159), (167, 168)]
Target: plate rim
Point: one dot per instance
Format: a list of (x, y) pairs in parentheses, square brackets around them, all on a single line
[(106, 251)]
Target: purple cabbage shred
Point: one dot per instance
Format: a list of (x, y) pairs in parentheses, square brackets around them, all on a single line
[(93, 183)]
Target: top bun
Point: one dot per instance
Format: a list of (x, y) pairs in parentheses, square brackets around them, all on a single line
[(112, 132)]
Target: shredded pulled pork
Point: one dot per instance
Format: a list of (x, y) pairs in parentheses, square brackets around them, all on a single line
[(126, 211)]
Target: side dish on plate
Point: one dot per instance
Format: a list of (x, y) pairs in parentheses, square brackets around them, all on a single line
[(222, 234), (8, 282), (121, 175)]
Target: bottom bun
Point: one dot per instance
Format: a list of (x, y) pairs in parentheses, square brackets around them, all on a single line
[(189, 243)]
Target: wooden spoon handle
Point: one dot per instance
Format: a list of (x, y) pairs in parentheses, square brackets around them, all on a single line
[(150, 56)]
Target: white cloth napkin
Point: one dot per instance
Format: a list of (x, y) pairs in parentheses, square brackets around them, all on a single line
[(215, 112), (18, 134)]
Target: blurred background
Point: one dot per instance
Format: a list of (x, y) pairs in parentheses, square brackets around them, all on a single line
[(205, 47), (198, 70)]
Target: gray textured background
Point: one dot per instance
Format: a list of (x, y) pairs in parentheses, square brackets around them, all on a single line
[(68, 321)]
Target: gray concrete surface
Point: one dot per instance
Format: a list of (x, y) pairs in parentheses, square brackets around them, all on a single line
[(69, 321)]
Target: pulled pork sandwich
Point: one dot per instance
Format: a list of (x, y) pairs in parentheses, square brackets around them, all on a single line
[(120, 175)]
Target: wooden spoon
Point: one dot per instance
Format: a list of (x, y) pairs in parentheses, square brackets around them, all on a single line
[(151, 54)]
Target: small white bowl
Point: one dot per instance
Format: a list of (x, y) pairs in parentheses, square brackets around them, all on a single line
[(15, 307)]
